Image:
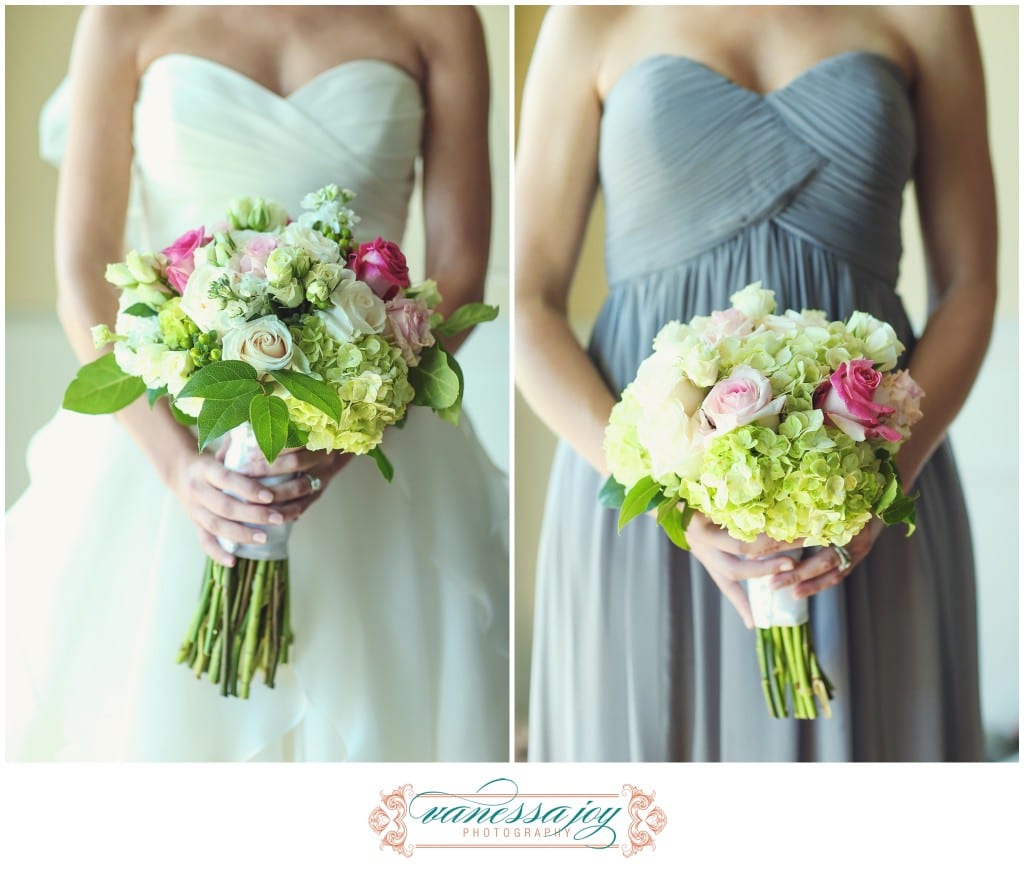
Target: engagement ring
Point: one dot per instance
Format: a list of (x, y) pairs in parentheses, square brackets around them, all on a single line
[(844, 557), (315, 484)]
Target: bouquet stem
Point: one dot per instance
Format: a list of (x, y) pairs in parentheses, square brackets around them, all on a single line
[(240, 625)]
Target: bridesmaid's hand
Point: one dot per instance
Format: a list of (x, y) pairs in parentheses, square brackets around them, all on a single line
[(293, 497), (821, 569), (204, 487), (727, 560)]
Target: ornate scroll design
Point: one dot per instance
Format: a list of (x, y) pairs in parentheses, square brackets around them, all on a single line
[(387, 820), (646, 820)]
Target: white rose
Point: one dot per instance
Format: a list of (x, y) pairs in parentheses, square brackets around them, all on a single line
[(265, 344), (675, 441), (754, 301), (149, 360), (660, 379), (881, 343), (196, 302), (357, 310), (175, 369), (311, 241), (191, 406)]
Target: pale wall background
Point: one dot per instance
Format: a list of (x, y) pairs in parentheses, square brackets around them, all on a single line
[(987, 458), (38, 44)]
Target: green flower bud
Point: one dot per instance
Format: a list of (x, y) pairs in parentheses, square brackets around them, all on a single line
[(102, 335), (142, 267), (318, 294), (280, 265), (238, 212), (177, 328), (215, 354), (119, 274)]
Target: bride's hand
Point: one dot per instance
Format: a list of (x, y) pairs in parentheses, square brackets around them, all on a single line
[(293, 497), (204, 487), (727, 560), (821, 569)]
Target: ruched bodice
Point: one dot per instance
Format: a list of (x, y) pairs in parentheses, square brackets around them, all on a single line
[(204, 134), (708, 187), (689, 159)]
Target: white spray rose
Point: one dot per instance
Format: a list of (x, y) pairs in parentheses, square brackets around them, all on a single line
[(660, 379), (197, 304), (754, 301), (265, 344), (675, 442), (357, 310), (311, 241), (881, 344)]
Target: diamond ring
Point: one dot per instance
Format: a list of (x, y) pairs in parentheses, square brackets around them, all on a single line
[(314, 483), (844, 557)]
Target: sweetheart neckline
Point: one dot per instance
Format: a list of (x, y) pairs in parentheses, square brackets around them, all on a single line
[(291, 95), (764, 96)]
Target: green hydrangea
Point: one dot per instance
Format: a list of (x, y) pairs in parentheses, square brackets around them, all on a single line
[(177, 328), (627, 460), (372, 381)]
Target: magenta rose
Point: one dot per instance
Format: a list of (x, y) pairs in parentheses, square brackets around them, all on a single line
[(848, 401), (409, 326), (254, 255), (181, 256), (382, 266), (742, 398)]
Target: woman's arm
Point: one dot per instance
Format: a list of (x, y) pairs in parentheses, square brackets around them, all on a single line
[(556, 178), (92, 199), (956, 201), (456, 157)]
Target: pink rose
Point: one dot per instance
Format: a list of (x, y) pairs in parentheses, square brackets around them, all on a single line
[(181, 257), (900, 391), (849, 402), (254, 255), (409, 325), (743, 397), (382, 266), (727, 324)]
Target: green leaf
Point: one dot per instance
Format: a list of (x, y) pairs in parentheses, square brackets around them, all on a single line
[(465, 317), (383, 464), (674, 521), (222, 380), (638, 500), (141, 310), (401, 422), (101, 387), (309, 390), (891, 492), (901, 511), (269, 419), (435, 382), (182, 418), (612, 494), (154, 394), (219, 416), (454, 411), (296, 437)]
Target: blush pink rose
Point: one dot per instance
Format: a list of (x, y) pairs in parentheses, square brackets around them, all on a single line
[(254, 255), (742, 398), (181, 257), (727, 324), (409, 325), (900, 391), (382, 266), (848, 400)]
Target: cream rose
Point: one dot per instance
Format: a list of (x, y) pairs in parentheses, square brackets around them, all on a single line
[(754, 301), (660, 379), (265, 344), (311, 241), (356, 310), (675, 441)]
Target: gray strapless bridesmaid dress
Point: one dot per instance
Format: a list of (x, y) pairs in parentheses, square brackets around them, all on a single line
[(708, 187)]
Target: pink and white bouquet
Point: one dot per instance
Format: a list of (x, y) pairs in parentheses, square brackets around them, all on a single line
[(273, 334), (785, 425)]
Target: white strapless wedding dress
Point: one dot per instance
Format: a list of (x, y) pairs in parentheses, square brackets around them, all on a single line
[(400, 591)]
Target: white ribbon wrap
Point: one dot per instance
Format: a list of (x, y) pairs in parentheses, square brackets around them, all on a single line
[(244, 455), (776, 608)]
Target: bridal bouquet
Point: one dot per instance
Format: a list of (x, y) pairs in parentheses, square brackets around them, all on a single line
[(785, 425), (273, 334)]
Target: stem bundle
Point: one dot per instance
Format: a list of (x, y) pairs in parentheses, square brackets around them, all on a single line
[(787, 661), (241, 624)]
